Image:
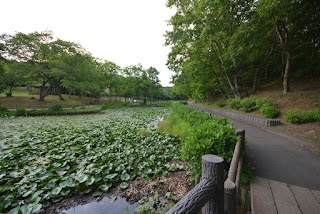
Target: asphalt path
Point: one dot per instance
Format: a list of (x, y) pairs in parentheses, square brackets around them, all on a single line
[(281, 157)]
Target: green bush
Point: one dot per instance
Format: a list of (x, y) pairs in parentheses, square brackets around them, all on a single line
[(248, 104), (8, 94), (220, 103), (260, 102), (296, 116), (56, 108), (234, 103), (314, 115), (20, 112), (113, 106), (207, 135), (3, 109), (183, 102), (269, 110)]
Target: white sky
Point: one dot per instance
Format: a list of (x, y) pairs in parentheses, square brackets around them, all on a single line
[(126, 32)]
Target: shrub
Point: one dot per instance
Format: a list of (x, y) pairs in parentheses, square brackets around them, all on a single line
[(316, 115), (260, 102), (248, 104), (296, 116), (56, 108), (220, 103), (113, 106), (234, 103), (20, 112), (269, 110), (8, 94), (183, 102), (3, 109), (206, 135)]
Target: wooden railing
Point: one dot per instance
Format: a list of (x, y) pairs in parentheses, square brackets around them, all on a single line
[(215, 194)]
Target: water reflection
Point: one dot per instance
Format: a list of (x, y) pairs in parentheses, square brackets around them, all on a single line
[(104, 206)]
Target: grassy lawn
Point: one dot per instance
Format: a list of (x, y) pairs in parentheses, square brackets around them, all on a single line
[(23, 99)]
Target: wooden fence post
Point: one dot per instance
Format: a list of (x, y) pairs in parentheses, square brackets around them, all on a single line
[(213, 169), (208, 194)]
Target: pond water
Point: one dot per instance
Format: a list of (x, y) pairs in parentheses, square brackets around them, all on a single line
[(104, 206)]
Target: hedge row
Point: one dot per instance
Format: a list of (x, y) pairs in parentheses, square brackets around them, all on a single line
[(207, 135), (249, 104), (299, 116)]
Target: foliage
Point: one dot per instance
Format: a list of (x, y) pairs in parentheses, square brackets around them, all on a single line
[(113, 106), (56, 108), (299, 116), (183, 102), (175, 125), (156, 204), (227, 47), (220, 103), (269, 110), (260, 102), (248, 104), (20, 112), (207, 135), (234, 103), (8, 93), (3, 109), (44, 161)]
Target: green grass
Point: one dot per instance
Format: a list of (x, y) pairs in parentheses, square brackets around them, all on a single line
[(175, 125)]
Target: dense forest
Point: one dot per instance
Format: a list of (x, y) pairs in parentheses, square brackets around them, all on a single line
[(230, 48), (38, 59)]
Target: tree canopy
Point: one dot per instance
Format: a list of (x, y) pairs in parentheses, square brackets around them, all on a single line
[(39, 58), (229, 47)]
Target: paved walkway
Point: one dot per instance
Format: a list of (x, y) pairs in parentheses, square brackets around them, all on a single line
[(273, 197), (279, 157)]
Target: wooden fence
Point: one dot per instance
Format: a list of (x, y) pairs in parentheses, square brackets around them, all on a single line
[(215, 194)]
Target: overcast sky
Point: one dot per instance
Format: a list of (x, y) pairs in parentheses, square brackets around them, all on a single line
[(126, 32)]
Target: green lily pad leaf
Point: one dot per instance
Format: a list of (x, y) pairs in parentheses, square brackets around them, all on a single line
[(90, 181), (67, 183), (81, 178), (26, 209), (125, 177), (88, 190), (34, 200), (14, 210), (97, 179), (111, 176), (104, 188), (56, 190), (113, 198), (27, 193), (55, 200), (2, 175), (36, 208), (97, 193), (65, 192), (124, 185)]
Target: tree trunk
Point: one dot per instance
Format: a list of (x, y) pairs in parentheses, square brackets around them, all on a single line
[(285, 47), (286, 87)]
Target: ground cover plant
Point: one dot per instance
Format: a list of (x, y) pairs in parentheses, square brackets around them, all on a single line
[(206, 135), (55, 110), (43, 161)]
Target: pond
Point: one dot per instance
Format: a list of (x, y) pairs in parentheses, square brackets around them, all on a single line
[(107, 205)]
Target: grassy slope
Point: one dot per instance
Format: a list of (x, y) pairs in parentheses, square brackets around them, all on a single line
[(23, 99), (304, 95)]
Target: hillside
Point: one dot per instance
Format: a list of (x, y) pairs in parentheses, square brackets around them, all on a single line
[(304, 95)]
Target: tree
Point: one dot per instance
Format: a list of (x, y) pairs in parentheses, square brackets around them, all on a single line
[(12, 75), (48, 61)]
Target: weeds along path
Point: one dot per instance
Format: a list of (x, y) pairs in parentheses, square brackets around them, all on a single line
[(279, 158)]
